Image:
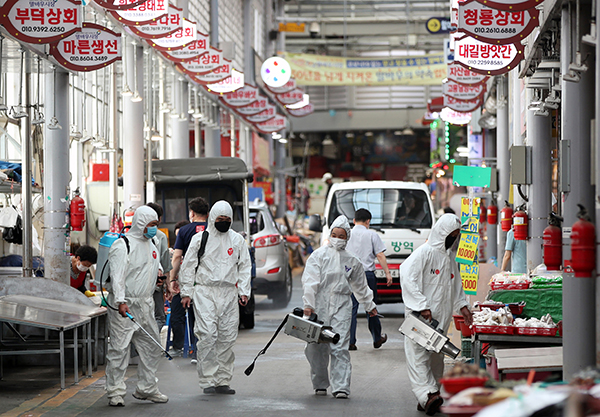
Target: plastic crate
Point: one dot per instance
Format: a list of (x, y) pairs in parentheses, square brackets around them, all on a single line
[(492, 307), (457, 319), (522, 286), (456, 385), (466, 347), (536, 331), (478, 328), (516, 309)]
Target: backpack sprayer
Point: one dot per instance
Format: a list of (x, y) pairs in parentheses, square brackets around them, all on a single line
[(104, 277), (427, 335), (310, 330)]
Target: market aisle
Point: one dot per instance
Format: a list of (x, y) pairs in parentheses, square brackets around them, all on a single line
[(279, 385)]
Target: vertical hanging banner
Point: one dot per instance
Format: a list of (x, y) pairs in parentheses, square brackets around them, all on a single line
[(93, 48), (465, 211), (188, 51), (177, 40), (164, 26), (40, 22), (245, 96), (205, 63), (144, 14), (469, 242)]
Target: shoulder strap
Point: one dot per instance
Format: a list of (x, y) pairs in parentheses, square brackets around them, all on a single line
[(250, 368), (126, 243), (202, 248)]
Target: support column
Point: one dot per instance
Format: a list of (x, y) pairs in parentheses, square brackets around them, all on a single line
[(280, 177), (492, 229), (503, 161), (180, 135), (596, 141), (517, 136), (56, 174), (212, 135), (577, 110), (113, 196), (133, 133), (197, 138)]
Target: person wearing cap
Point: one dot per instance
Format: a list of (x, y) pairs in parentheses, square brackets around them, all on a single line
[(328, 179), (330, 277)]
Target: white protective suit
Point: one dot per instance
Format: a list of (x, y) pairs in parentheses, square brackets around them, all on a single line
[(225, 264), (430, 280), (133, 279), (329, 279)]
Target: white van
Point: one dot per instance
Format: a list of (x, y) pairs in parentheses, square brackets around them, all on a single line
[(402, 213)]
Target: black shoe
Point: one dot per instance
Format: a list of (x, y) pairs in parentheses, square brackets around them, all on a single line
[(380, 342), (210, 390), (433, 403), (352, 347), (419, 408), (224, 389)]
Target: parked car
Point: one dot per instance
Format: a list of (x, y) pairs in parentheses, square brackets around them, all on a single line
[(273, 271)]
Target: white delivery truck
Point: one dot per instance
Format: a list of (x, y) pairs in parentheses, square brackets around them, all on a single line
[(402, 216)]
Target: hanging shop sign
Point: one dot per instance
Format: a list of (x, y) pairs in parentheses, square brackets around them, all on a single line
[(512, 5), (292, 97), (164, 26), (303, 111), (41, 22), (289, 86), (462, 106), (485, 58), (119, 4), (263, 116), (461, 91), (435, 105), (189, 51), (219, 74), (255, 107), (177, 40), (275, 71), (144, 14), (304, 102), (461, 75), (438, 25), (495, 26), (204, 63), (229, 84), (276, 124), (453, 37), (245, 96), (469, 275), (93, 48), (455, 117)]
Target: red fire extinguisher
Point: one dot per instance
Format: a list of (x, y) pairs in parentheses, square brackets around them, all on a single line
[(492, 213), (77, 212), (521, 224), (583, 245), (553, 243), (506, 215), (128, 217), (482, 213)]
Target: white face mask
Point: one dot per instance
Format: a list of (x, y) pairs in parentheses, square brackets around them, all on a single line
[(338, 244), (82, 268)]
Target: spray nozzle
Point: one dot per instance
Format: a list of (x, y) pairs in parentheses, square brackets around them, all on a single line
[(583, 213), (555, 220)]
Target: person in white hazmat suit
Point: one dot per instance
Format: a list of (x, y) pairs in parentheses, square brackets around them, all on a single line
[(431, 285), (133, 278), (225, 264), (330, 277)]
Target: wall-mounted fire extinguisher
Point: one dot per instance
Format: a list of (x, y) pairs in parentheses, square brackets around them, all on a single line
[(583, 245), (492, 213), (553, 243), (128, 217), (506, 217), (77, 212), (482, 213), (521, 224)]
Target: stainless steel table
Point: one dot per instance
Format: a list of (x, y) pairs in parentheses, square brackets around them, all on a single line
[(507, 339), (12, 311)]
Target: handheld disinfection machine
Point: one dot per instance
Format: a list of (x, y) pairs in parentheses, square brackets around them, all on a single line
[(427, 335), (310, 330)]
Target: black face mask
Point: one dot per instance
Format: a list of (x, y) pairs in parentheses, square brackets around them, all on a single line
[(222, 226), (450, 241)]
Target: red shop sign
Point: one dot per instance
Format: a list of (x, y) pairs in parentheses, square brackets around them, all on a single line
[(178, 39), (205, 63), (302, 111), (462, 75), (232, 83), (463, 106), (255, 107), (189, 51), (263, 116), (435, 105), (289, 86), (485, 58), (291, 97), (461, 91), (512, 5), (41, 21), (144, 14), (242, 97), (93, 48), (276, 124), (495, 26), (219, 74), (164, 26), (119, 4)]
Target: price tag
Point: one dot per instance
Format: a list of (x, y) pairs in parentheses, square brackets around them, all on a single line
[(469, 275), (467, 248), (464, 208)]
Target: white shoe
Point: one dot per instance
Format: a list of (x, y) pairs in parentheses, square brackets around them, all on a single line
[(340, 395), (194, 361), (155, 398), (117, 401)]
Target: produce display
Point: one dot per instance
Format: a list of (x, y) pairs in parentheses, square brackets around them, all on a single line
[(509, 281), (547, 281), (487, 317), (545, 322)]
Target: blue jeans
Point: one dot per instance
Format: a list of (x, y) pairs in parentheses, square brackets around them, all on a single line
[(374, 323)]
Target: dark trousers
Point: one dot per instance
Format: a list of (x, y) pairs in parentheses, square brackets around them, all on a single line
[(374, 323), (177, 322)]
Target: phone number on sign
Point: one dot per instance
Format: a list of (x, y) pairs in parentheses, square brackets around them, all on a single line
[(58, 29), (88, 58), (485, 62), (495, 30)]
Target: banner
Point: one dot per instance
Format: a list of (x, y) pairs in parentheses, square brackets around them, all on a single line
[(328, 70)]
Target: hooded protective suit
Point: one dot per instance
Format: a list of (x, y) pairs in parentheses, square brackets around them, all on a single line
[(225, 264), (430, 280), (329, 279), (133, 278)]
